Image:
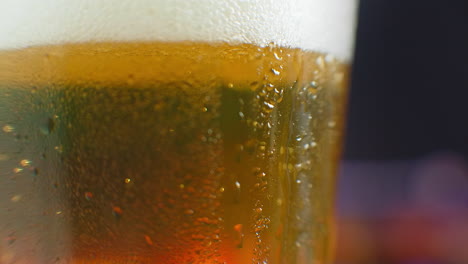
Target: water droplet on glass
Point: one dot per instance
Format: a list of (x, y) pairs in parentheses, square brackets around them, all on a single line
[(58, 212), (148, 240), (258, 209), (298, 181), (8, 129), (268, 106), (88, 196), (239, 236), (189, 212), (278, 57), (47, 127), (332, 124), (25, 163), (313, 144), (117, 211), (128, 180), (275, 72), (237, 185), (270, 87), (59, 148), (16, 198), (204, 109), (17, 170), (230, 85), (298, 138)]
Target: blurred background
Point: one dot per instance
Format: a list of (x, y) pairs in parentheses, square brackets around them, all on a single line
[(403, 189)]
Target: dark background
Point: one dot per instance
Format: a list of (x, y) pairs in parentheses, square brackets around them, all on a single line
[(409, 92), (403, 188)]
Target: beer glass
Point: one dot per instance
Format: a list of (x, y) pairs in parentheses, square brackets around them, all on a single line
[(171, 131)]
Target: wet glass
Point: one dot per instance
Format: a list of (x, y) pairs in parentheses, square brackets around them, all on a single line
[(171, 131)]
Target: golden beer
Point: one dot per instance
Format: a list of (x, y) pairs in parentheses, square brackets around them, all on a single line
[(222, 154), (178, 144)]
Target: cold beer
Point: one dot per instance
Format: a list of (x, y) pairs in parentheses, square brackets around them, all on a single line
[(168, 150)]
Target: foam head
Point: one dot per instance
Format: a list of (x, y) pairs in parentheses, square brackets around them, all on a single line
[(319, 25)]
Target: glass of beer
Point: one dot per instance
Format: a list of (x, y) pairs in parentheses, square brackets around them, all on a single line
[(171, 131)]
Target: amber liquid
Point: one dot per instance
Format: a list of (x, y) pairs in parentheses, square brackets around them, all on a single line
[(168, 153)]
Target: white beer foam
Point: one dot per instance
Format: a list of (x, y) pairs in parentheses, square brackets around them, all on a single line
[(319, 25)]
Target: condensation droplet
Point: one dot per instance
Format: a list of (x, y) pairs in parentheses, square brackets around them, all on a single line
[(148, 240), (238, 185), (17, 170), (128, 180), (298, 181), (88, 196), (258, 209), (332, 124), (8, 129), (221, 190), (230, 85), (25, 163), (275, 72), (270, 87), (16, 198), (312, 91), (117, 211), (58, 212), (59, 148), (313, 144), (204, 109), (278, 57), (189, 212), (241, 115), (239, 235), (47, 127), (269, 106)]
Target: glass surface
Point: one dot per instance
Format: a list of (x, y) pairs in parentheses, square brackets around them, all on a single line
[(171, 131)]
